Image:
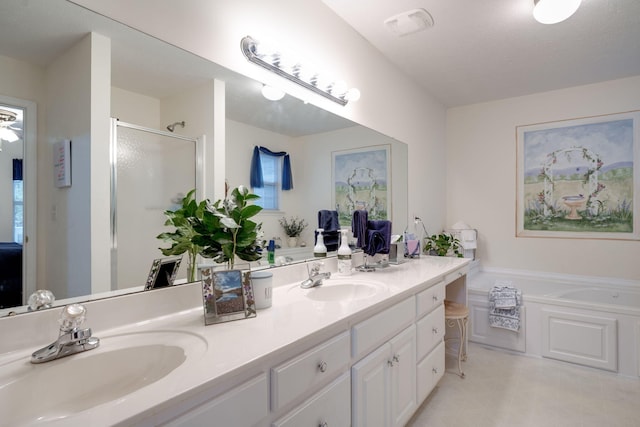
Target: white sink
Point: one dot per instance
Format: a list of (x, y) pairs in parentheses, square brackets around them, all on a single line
[(123, 363), (344, 289)]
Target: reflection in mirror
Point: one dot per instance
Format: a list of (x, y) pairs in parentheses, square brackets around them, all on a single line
[(49, 47)]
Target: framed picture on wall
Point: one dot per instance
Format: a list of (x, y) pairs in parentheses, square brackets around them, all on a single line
[(579, 178), (361, 181)]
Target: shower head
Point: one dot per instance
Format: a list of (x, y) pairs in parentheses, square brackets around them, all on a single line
[(172, 126)]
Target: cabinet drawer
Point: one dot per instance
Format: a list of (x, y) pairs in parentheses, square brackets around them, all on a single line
[(431, 330), (430, 298), (455, 275), (323, 362), (331, 406), (379, 328), (430, 370), (231, 407)]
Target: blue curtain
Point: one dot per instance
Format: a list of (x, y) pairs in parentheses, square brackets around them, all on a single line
[(256, 168), (17, 169)]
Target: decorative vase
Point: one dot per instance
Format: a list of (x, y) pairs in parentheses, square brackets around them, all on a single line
[(292, 241)]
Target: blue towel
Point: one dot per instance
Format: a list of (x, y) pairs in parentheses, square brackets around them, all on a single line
[(328, 220), (359, 227), (378, 237)]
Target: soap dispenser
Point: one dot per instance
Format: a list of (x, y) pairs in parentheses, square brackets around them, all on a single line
[(320, 250), (344, 255)]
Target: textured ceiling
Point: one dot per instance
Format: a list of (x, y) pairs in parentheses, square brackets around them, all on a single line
[(492, 49)]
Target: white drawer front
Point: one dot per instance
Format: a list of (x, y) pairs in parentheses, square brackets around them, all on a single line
[(379, 328), (455, 275), (431, 329), (231, 407), (332, 405), (290, 379), (430, 370), (430, 298)]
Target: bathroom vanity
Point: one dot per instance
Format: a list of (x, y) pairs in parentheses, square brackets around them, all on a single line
[(361, 350)]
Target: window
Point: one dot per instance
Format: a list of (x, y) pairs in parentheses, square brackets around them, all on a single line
[(18, 205), (269, 195)]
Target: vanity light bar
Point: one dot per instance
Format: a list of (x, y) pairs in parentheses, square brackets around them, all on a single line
[(293, 70)]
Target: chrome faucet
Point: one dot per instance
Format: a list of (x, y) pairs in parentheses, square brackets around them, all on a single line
[(315, 277), (72, 339)]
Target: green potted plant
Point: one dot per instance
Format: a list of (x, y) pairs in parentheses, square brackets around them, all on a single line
[(293, 227), (443, 244), (182, 239), (226, 230), (221, 230)]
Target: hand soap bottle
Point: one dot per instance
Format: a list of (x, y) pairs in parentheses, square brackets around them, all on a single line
[(344, 255), (320, 250), (271, 253)]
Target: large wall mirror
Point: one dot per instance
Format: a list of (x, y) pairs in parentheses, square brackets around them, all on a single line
[(74, 69)]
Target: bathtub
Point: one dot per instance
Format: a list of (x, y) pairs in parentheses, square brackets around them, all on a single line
[(617, 297), (589, 321)]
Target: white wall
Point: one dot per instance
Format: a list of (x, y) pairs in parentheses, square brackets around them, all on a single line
[(481, 180), (391, 103), (241, 139)]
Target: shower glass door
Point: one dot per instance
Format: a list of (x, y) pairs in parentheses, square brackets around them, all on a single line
[(151, 171)]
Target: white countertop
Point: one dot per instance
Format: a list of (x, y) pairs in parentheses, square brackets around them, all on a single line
[(234, 348)]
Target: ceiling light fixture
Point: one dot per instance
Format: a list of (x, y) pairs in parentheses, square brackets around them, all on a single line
[(272, 93), (297, 71), (554, 11), (409, 22)]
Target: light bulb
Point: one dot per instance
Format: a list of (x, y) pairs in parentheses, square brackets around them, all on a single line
[(554, 11), (8, 135), (272, 93), (352, 95)]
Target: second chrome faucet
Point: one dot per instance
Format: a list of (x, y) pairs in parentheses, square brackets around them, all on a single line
[(315, 276)]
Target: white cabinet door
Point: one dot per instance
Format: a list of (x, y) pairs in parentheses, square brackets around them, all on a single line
[(403, 376), (383, 384), (369, 389)]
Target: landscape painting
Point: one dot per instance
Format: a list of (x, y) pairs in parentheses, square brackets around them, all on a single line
[(579, 178), (360, 182)]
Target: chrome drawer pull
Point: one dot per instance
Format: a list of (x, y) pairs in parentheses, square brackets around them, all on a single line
[(435, 298), (435, 370), (324, 424), (322, 366)]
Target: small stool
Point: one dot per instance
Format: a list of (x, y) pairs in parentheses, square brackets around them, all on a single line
[(458, 314)]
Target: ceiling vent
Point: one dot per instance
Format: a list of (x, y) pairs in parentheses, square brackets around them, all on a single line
[(409, 22)]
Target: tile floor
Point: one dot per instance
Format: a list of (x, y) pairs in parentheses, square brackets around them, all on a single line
[(506, 389)]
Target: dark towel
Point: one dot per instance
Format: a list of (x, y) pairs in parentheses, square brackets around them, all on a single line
[(328, 220), (331, 240), (378, 237), (359, 227)]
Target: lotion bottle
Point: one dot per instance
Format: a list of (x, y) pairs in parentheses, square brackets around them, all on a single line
[(320, 250), (344, 255)]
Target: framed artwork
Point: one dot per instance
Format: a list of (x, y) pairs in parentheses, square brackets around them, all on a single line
[(227, 295), (163, 272), (361, 181), (579, 178)]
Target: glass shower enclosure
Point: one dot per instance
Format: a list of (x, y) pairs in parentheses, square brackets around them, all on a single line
[(151, 171)]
